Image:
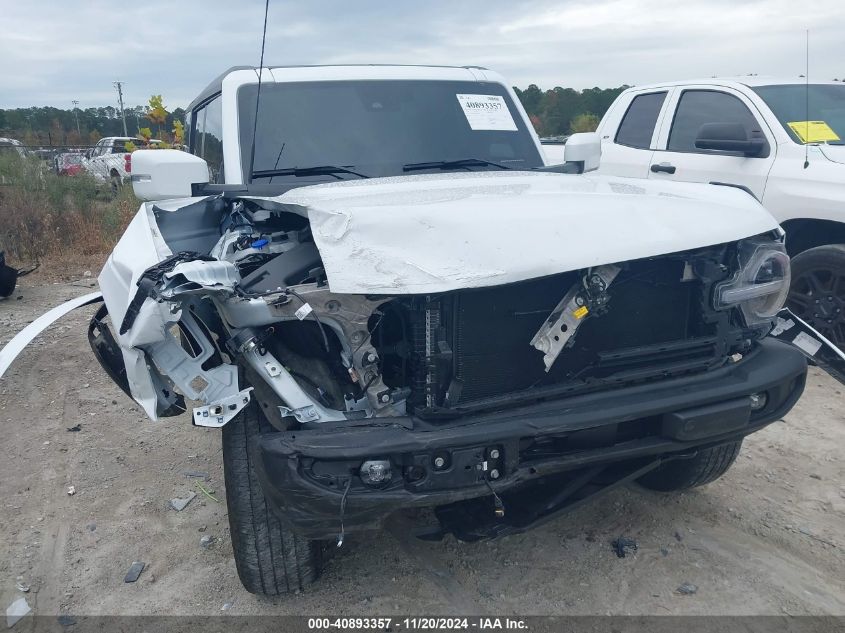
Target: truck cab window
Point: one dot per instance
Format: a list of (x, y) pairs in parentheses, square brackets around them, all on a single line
[(206, 137), (698, 107), (637, 125)]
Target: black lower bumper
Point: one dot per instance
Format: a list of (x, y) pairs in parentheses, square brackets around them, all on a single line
[(305, 473)]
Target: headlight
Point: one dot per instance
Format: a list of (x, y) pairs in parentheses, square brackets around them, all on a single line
[(761, 285)]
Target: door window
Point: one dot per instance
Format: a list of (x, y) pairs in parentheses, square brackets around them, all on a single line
[(698, 107), (637, 125), (207, 136)]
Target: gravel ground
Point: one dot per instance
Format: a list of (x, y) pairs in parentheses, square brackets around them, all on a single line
[(767, 538)]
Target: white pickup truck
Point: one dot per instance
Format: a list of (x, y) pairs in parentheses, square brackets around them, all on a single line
[(109, 160), (781, 140), (387, 301)]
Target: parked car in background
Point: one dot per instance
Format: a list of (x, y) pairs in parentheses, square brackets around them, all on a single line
[(12, 145), (781, 140), (69, 163), (111, 162)]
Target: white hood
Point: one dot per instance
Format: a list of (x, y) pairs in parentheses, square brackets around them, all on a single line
[(433, 233)]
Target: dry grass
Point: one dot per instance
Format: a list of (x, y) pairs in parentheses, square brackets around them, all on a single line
[(60, 221)]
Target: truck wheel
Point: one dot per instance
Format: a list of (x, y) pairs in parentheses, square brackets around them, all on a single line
[(114, 181), (270, 559), (681, 474), (817, 294)]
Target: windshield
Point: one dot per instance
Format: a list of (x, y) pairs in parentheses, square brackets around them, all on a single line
[(826, 111), (378, 127)]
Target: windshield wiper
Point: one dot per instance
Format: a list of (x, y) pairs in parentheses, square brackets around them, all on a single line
[(318, 170), (449, 164)]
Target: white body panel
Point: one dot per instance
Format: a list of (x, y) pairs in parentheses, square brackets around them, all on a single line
[(14, 347), (468, 226), (160, 174), (780, 180)]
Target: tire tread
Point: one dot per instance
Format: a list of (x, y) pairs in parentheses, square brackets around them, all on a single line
[(270, 559), (682, 474)]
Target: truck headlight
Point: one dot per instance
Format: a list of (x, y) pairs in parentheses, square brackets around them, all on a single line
[(760, 286)]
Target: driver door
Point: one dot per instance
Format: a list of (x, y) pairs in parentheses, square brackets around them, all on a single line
[(677, 158)]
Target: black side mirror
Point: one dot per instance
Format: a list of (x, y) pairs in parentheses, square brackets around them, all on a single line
[(729, 137)]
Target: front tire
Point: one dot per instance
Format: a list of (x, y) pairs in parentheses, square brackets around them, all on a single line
[(682, 474), (270, 559), (817, 293)]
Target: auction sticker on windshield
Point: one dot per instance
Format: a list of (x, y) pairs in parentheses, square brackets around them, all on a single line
[(487, 112), (813, 131)]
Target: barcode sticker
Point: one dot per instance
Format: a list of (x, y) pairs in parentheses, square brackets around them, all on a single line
[(487, 112), (304, 311), (807, 343)]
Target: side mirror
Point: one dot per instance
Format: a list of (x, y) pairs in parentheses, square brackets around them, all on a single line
[(729, 137), (583, 148), (553, 151), (158, 174)]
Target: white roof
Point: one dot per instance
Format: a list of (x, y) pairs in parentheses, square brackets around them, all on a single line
[(752, 81)]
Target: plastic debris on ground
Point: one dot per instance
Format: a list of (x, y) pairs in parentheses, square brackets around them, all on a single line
[(687, 589), (16, 611), (71, 490), (623, 545), (180, 503), (134, 571)]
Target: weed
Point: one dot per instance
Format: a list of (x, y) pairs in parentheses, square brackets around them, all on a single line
[(45, 216)]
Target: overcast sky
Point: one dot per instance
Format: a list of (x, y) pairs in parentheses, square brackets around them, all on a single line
[(54, 51)]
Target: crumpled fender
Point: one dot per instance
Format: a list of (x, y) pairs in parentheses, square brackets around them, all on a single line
[(13, 348)]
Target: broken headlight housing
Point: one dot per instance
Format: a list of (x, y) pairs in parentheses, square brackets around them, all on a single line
[(760, 286)]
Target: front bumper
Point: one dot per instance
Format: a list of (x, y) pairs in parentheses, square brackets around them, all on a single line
[(305, 473)]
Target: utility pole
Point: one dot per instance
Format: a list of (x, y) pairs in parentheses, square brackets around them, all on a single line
[(119, 86), (76, 116)]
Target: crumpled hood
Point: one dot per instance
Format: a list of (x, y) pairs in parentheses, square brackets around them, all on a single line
[(434, 233), (835, 153)]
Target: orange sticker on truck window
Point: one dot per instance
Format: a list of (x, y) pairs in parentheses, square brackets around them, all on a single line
[(813, 131)]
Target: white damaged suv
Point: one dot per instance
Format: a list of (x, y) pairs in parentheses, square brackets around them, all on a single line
[(387, 301)]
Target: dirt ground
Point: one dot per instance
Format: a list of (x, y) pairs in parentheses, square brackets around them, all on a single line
[(768, 538)]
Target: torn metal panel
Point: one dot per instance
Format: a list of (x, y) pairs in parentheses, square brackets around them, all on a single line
[(14, 347), (199, 277), (564, 321), (794, 330), (186, 370), (435, 233)]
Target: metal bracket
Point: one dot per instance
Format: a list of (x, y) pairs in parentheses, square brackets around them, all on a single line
[(567, 317), (307, 413), (217, 414)]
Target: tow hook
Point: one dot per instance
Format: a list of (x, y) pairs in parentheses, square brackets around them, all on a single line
[(491, 466)]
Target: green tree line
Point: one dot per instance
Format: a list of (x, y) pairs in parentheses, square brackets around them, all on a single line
[(561, 111), (47, 126)]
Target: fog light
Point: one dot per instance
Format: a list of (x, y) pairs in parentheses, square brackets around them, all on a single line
[(376, 472), (758, 400)]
